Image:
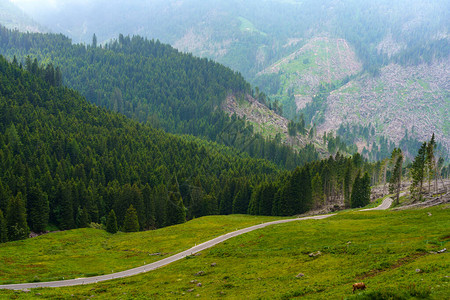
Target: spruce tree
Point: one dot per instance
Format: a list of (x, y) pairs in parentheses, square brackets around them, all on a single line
[(16, 218), (131, 223), (356, 192), (365, 189), (161, 201), (348, 183), (430, 163), (396, 177), (317, 190), (111, 222), (3, 228), (305, 197), (83, 219), (242, 199), (418, 172), (176, 211), (267, 199), (38, 209)]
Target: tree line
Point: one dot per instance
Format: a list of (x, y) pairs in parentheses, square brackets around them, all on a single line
[(154, 84), (68, 163)]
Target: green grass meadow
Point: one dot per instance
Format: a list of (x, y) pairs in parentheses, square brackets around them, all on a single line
[(91, 252), (387, 250)]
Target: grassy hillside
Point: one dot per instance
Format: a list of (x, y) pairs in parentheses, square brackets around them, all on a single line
[(394, 253), (321, 60), (89, 252)]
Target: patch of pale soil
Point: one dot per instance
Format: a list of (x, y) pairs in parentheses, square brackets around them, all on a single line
[(258, 113), (399, 99)]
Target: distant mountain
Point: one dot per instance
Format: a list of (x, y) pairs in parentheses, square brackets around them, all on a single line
[(293, 50), (70, 162), (14, 18), (154, 83)]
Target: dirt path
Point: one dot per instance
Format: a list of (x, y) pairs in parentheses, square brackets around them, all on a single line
[(161, 263)]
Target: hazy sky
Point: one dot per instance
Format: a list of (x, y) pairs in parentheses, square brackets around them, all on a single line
[(39, 5)]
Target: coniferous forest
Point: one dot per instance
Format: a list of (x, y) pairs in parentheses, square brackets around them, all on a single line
[(152, 83), (68, 163)]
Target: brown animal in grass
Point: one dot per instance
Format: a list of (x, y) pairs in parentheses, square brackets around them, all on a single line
[(359, 286)]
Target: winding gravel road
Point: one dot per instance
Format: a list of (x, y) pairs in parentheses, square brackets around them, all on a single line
[(158, 264)]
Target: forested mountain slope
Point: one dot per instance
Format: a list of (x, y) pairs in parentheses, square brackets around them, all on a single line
[(292, 50), (69, 162), (153, 83)]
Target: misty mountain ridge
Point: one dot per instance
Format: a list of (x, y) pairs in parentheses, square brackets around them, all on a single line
[(291, 49)]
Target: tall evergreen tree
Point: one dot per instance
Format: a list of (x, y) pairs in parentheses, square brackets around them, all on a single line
[(131, 222), (317, 190), (111, 222), (305, 195), (38, 209), (360, 191), (3, 228), (161, 203), (176, 211), (267, 198), (16, 218), (83, 218), (418, 172), (348, 183), (94, 41), (430, 163), (395, 182), (242, 199)]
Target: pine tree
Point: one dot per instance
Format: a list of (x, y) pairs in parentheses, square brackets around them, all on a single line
[(242, 199), (348, 183), (3, 228), (111, 222), (305, 197), (267, 199), (317, 190), (38, 209), (355, 199), (396, 177), (83, 219), (430, 163), (176, 212), (418, 172), (16, 218), (131, 223), (161, 202), (94, 41)]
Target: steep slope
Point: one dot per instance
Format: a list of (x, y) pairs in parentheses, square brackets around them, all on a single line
[(150, 82), (249, 36), (412, 99), (320, 61), (71, 162), (272, 126)]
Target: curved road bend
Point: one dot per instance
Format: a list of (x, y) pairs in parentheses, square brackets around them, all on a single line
[(158, 264)]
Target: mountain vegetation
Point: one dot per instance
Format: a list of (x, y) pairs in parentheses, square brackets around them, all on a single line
[(153, 83), (62, 157), (69, 163), (294, 49)]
